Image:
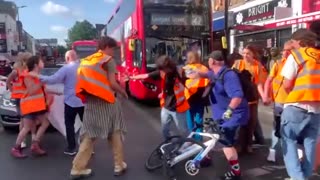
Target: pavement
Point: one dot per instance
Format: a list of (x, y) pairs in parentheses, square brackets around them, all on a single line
[(144, 134)]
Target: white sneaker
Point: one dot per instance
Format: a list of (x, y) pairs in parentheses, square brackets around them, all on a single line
[(300, 153), (272, 155), (23, 145)]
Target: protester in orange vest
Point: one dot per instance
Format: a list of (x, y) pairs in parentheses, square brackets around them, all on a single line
[(259, 75), (174, 105), (301, 114), (195, 94), (15, 85), (194, 91), (315, 27), (103, 116), (279, 96), (33, 108)]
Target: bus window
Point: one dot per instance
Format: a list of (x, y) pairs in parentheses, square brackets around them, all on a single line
[(138, 53)]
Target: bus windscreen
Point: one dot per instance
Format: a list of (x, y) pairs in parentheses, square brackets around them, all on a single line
[(84, 51)]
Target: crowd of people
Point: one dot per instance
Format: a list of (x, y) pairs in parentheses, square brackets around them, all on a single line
[(232, 90)]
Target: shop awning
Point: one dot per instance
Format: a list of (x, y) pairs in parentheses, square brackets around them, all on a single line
[(295, 20)]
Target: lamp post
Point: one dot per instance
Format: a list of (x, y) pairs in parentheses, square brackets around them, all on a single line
[(226, 25), (20, 7), (20, 26)]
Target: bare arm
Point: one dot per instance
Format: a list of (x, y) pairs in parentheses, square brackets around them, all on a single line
[(234, 103), (114, 85), (11, 77), (260, 90), (288, 85), (32, 88), (267, 86), (140, 76)]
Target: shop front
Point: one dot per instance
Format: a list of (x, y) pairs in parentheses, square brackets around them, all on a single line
[(250, 29)]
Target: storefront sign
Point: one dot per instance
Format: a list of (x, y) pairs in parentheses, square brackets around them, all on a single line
[(292, 21), (309, 6), (260, 12)]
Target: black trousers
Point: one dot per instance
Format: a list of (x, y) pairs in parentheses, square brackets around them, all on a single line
[(70, 114)]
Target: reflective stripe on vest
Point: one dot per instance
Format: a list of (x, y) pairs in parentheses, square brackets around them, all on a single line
[(33, 103), (92, 78), (307, 83), (182, 104), (279, 93)]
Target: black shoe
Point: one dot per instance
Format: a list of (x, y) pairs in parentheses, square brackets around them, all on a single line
[(230, 176), (70, 152)]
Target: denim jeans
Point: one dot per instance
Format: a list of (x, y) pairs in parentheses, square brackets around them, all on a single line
[(195, 119), (298, 123), (180, 120)]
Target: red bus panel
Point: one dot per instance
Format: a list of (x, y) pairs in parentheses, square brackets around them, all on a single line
[(147, 29)]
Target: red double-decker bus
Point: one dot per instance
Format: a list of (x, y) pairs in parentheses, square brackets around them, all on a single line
[(147, 29), (84, 48)]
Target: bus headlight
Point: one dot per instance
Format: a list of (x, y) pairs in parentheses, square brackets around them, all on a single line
[(8, 103)]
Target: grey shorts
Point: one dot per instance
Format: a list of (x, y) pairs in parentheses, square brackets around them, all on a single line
[(35, 115)]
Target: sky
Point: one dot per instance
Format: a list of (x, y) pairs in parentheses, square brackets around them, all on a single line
[(53, 18)]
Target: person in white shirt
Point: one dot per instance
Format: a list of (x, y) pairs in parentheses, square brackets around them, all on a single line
[(301, 115)]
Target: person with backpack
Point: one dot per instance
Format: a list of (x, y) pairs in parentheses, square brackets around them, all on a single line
[(259, 75), (228, 103)]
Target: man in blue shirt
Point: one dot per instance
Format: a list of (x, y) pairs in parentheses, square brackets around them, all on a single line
[(227, 103), (73, 105)]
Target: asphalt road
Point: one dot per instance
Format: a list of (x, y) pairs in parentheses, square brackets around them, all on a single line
[(143, 135)]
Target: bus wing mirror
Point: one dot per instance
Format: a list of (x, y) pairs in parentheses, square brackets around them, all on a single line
[(132, 44)]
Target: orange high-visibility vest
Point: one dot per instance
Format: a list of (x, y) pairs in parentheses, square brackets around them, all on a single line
[(31, 103), (254, 70), (192, 85), (241, 65), (307, 83), (92, 78), (18, 89), (182, 104), (279, 93)]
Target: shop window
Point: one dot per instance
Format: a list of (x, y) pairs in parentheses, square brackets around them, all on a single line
[(284, 36), (138, 53)]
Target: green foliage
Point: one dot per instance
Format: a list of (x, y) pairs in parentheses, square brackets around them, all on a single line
[(62, 49), (83, 30)]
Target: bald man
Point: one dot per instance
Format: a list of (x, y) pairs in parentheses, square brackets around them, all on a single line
[(67, 75)]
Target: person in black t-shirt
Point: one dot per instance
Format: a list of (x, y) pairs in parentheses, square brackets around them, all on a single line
[(172, 100)]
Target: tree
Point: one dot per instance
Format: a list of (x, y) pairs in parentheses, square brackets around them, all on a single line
[(62, 50), (83, 30)]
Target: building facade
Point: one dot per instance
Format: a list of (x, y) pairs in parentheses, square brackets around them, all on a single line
[(9, 36), (265, 23)]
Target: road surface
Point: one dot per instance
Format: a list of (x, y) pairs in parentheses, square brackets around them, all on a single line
[(143, 135)]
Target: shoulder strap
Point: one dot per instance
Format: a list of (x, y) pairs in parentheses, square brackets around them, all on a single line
[(221, 77)]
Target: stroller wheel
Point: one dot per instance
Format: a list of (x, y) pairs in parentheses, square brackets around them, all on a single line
[(191, 168)]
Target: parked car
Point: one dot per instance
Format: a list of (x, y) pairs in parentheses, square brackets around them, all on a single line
[(10, 118)]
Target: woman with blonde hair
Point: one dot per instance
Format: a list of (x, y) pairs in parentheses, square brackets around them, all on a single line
[(14, 84)]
